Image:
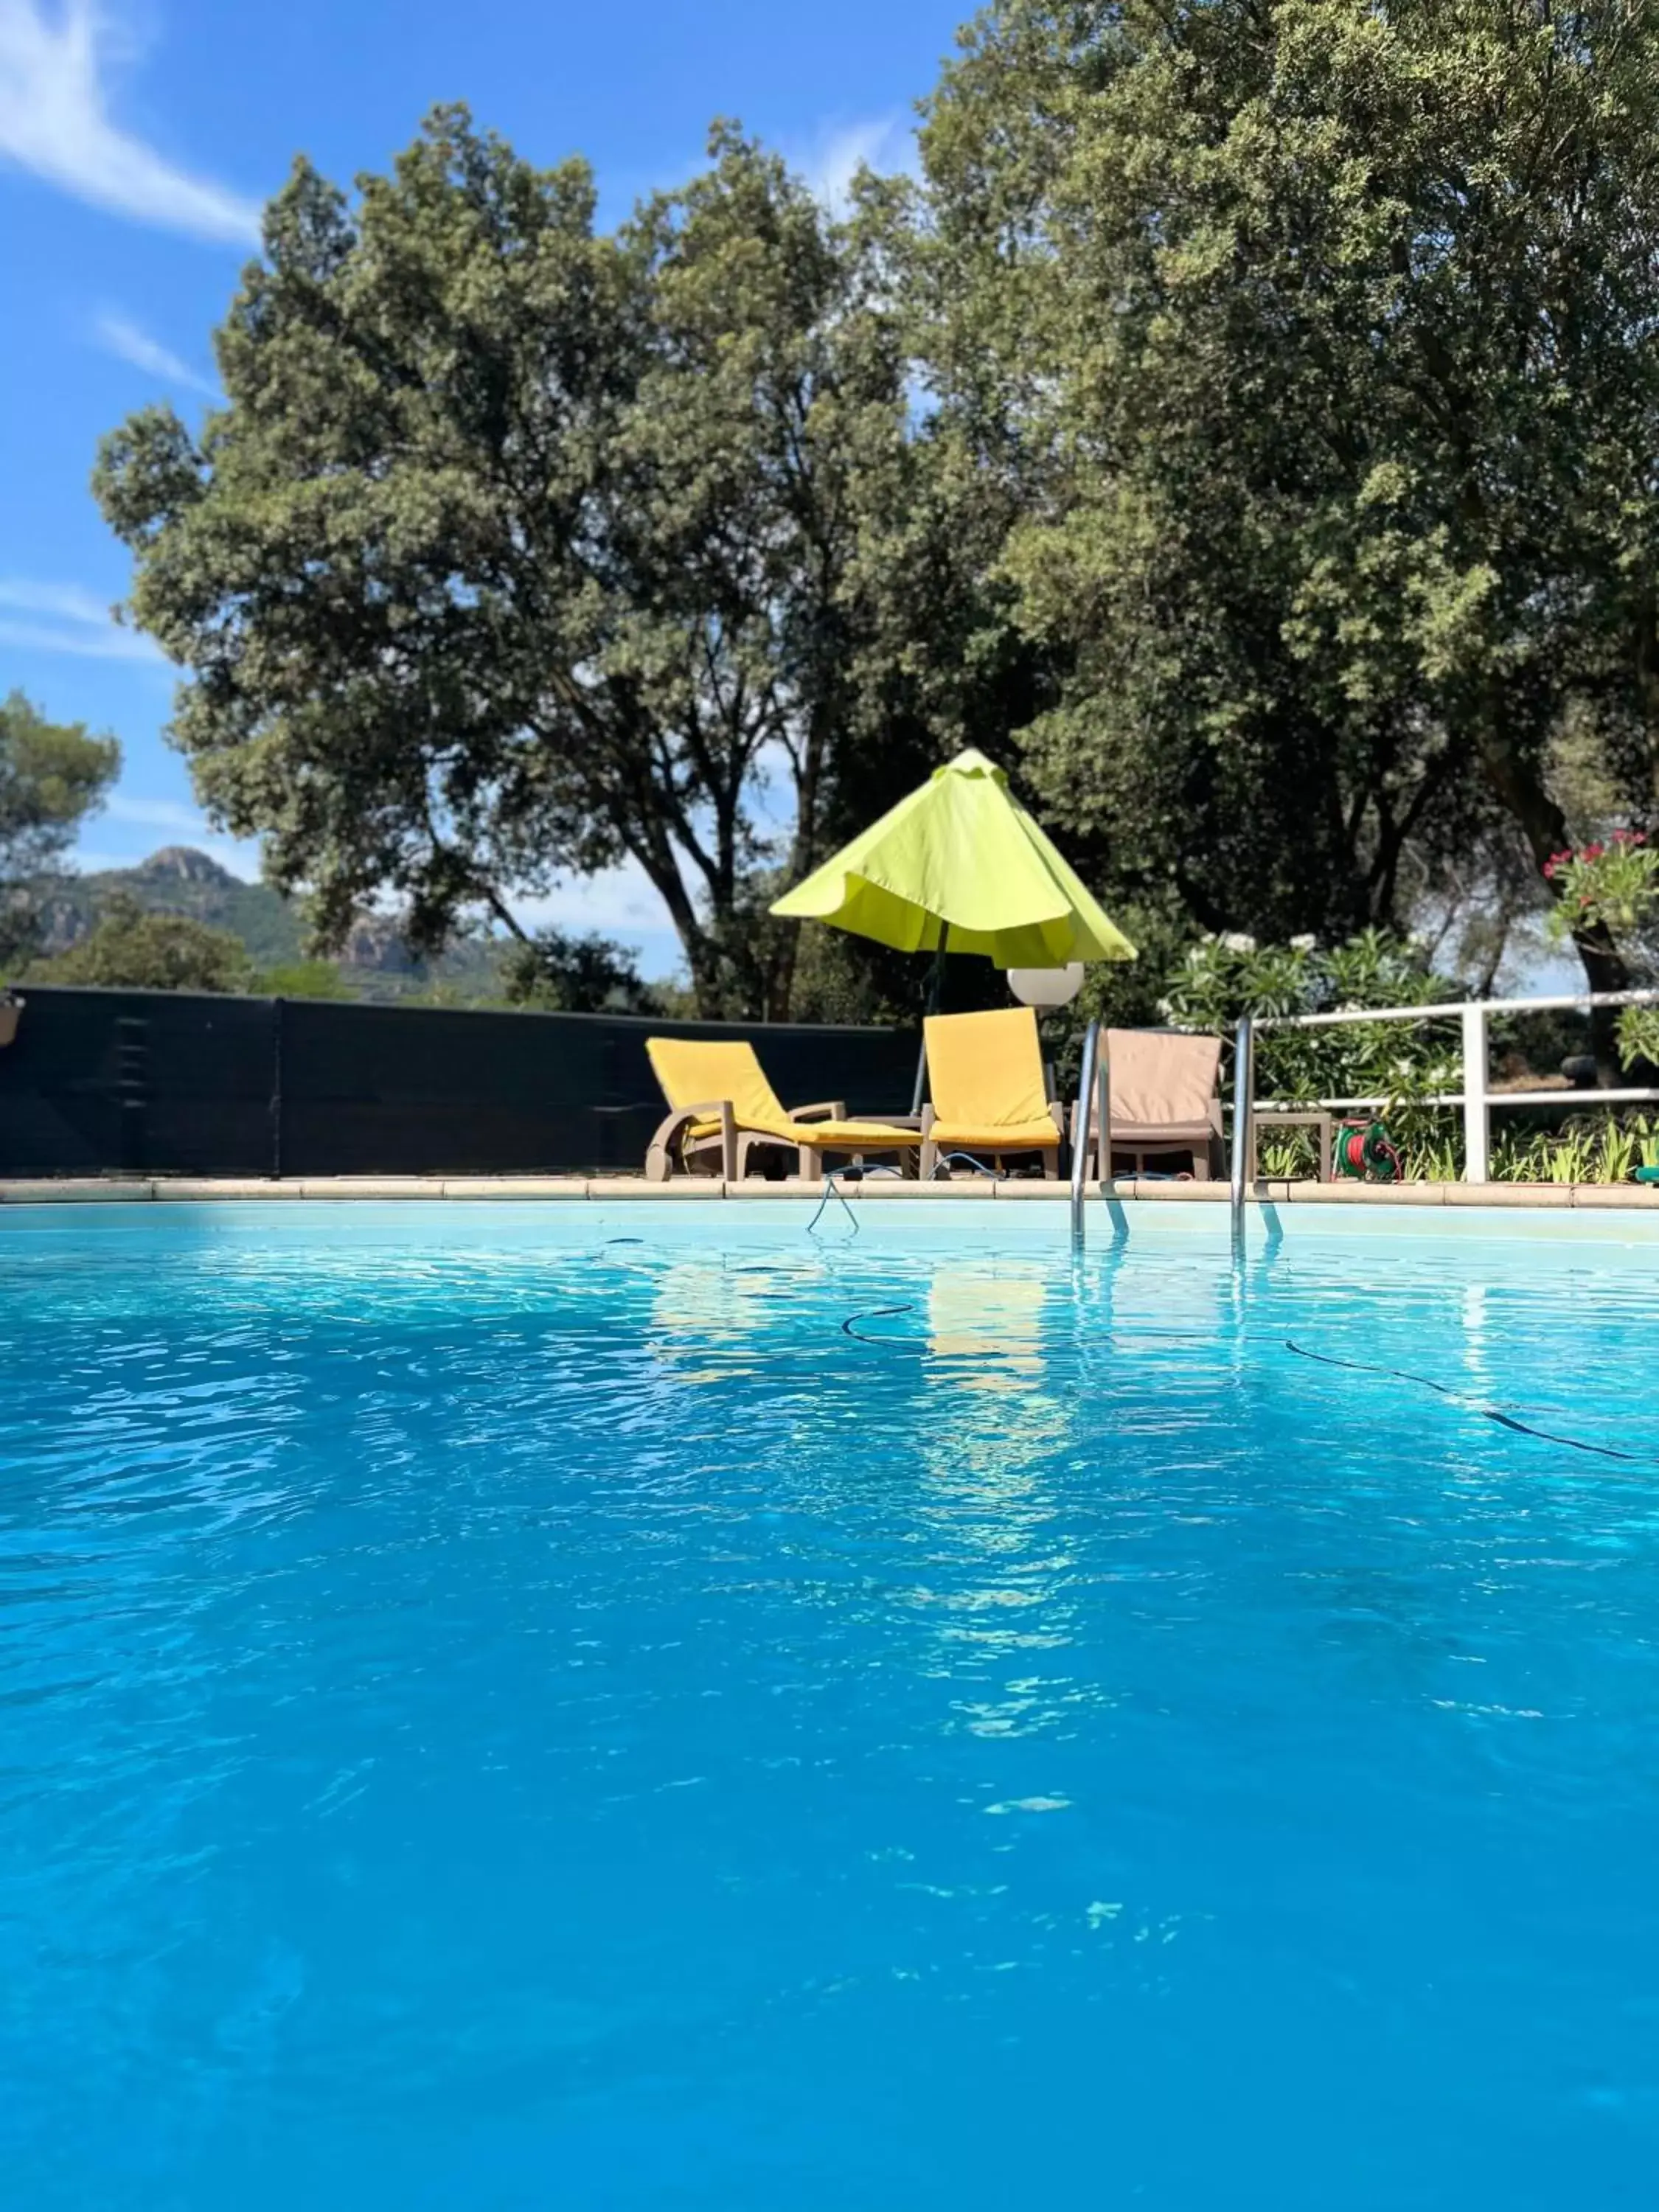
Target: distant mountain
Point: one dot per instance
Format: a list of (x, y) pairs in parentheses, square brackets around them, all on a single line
[(374, 963), (179, 880)]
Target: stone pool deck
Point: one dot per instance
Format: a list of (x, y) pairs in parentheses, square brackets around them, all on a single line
[(884, 1189)]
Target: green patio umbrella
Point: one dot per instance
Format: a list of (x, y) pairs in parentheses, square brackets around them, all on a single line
[(961, 863), (960, 858)]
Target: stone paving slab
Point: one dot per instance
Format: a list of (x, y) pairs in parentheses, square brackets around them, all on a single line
[(74, 1190), (515, 1187)]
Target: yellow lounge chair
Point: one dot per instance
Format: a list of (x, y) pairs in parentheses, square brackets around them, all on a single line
[(986, 1074), (723, 1106)]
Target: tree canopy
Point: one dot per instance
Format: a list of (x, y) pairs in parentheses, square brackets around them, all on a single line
[(1245, 429), (555, 972), (1318, 338), (52, 775), (520, 548), (133, 948)]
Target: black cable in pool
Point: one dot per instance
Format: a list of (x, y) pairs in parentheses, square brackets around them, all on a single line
[(1486, 1412), (861, 1173), (849, 1327), (831, 1190)]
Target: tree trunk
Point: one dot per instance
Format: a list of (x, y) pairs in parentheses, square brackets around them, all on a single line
[(702, 956)]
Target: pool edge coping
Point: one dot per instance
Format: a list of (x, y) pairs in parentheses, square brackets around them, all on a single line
[(191, 1190)]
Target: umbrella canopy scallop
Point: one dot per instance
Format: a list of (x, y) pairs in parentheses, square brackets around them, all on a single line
[(962, 855)]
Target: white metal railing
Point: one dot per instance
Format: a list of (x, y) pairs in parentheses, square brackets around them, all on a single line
[(1592, 1096), (1477, 1097)]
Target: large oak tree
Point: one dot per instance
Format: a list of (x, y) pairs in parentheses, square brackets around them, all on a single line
[(518, 548), (1317, 338)]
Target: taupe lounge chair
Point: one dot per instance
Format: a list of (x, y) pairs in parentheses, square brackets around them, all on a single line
[(1164, 1099)]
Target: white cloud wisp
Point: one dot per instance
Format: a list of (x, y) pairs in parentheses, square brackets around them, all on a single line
[(172, 814), (620, 902), (63, 618), (887, 143), (55, 123), (116, 334)]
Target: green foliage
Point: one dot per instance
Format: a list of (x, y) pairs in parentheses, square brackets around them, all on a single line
[(1604, 1149), (1620, 1154), (1429, 1157), (52, 775), (1245, 433), (843, 978), (518, 548), (1316, 340), (1615, 884), (180, 880), (557, 973), (1638, 1034), (303, 979), (1287, 1155), (132, 950), (1583, 1151), (1431, 1150), (1397, 1062)]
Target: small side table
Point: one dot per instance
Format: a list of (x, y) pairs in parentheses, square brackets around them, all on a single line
[(1313, 1119)]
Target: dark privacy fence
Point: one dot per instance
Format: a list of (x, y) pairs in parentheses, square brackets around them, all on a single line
[(159, 1083)]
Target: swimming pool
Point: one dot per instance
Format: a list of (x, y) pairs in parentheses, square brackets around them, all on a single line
[(637, 1706)]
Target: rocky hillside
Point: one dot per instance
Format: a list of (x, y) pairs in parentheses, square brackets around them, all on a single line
[(375, 964)]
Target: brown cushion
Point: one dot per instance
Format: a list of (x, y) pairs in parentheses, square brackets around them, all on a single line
[(1176, 1134), (1162, 1082)]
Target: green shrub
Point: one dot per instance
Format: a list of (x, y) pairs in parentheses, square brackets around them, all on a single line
[(1614, 886), (1401, 1064), (135, 950), (1584, 1149), (304, 978)]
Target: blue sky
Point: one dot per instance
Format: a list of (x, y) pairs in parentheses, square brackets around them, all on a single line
[(136, 142)]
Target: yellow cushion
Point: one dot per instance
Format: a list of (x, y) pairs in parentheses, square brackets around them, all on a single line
[(986, 1075), (984, 1137), (696, 1071), (828, 1136), (839, 1136)]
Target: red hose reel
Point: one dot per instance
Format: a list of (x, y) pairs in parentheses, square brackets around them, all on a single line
[(1364, 1153)]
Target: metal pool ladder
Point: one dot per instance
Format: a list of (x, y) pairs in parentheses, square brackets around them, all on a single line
[(1094, 1112)]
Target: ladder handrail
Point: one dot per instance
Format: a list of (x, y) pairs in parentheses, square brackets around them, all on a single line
[(1244, 1109), (1088, 1083)]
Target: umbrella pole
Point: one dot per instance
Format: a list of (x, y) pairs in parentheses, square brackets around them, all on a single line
[(935, 997)]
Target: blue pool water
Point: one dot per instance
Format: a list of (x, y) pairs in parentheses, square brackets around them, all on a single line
[(493, 1716)]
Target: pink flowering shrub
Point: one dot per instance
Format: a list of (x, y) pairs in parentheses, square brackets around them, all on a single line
[(1615, 884)]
